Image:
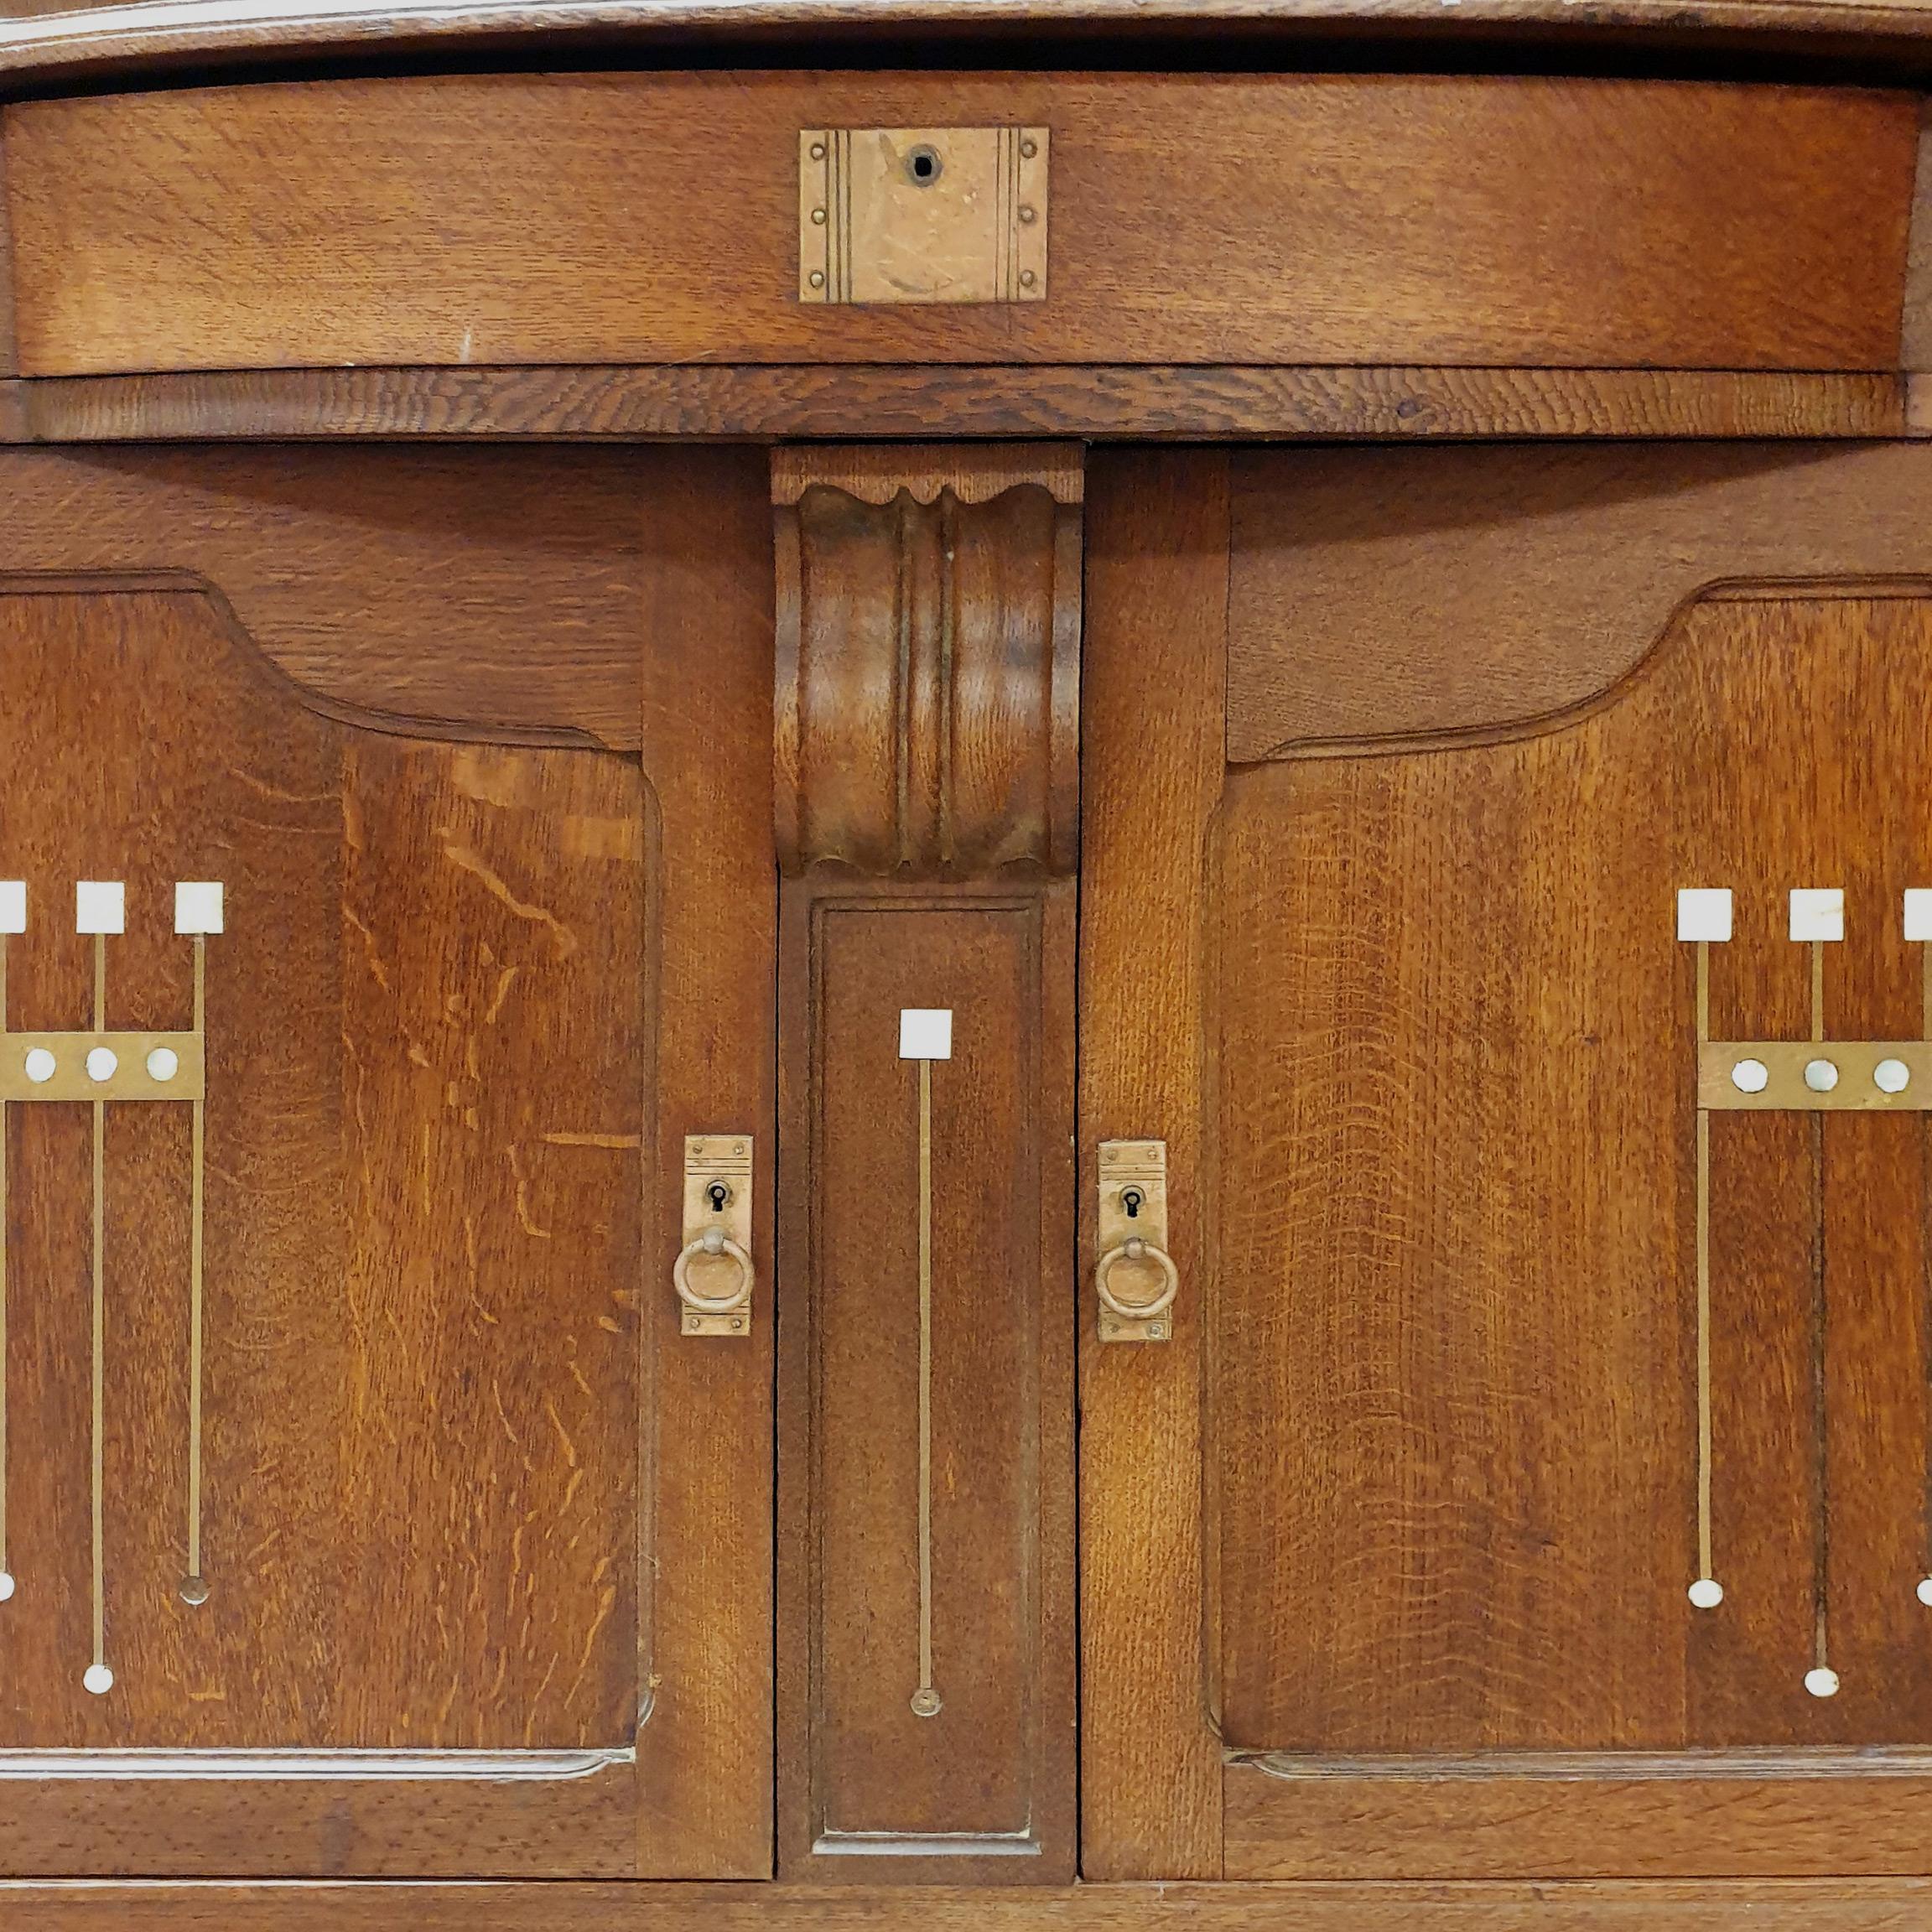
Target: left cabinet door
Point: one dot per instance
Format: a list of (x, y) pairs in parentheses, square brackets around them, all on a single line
[(365, 1509)]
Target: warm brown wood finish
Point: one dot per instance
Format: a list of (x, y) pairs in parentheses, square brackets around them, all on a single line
[(927, 675), (1123, 401), (928, 663), (633, 218), (1453, 1340), (492, 593), (1156, 651), (423, 1456), (1382, 594), (988, 1780), (706, 1790), (1760, 1905)]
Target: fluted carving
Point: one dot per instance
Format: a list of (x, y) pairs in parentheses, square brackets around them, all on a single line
[(927, 700)]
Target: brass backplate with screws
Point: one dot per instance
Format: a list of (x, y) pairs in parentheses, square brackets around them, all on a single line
[(1132, 1267), (717, 1220), (895, 215)]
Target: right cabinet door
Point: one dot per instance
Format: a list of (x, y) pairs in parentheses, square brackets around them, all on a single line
[(1536, 1480)]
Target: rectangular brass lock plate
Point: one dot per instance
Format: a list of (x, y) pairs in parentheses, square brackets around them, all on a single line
[(718, 1205), (1133, 1208), (890, 215)]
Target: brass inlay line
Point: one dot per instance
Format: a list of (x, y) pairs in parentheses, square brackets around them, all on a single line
[(193, 1589), (925, 1702), (1704, 1450), (1817, 988), (99, 1322), (1821, 1465)]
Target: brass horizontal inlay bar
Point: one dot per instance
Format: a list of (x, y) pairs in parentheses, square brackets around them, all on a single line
[(1816, 1076), (135, 1074)]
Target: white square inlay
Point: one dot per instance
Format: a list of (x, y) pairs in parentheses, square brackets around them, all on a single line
[(1818, 912), (100, 906), (12, 904), (1917, 912), (925, 1032), (1704, 913), (198, 906)]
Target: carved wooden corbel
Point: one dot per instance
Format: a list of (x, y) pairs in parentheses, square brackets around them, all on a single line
[(928, 658), (926, 721)]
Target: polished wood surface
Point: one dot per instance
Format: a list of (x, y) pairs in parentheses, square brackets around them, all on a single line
[(927, 675), (1452, 1364), (705, 601), (421, 1456), (1760, 1905), (928, 661), (1119, 402), (1382, 595), (1157, 639), (488, 594), (987, 1784), (653, 218)]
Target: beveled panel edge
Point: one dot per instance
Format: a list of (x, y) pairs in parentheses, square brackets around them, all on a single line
[(1096, 402), (1607, 1767), (275, 1764)]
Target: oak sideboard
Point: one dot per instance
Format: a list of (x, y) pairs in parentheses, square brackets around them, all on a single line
[(924, 933)]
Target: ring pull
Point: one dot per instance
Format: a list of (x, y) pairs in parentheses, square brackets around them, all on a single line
[(1134, 1247), (712, 1241), (1130, 1224), (717, 1226)]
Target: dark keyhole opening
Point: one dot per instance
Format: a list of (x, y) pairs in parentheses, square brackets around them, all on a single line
[(1131, 1200), (717, 1194), (923, 166)]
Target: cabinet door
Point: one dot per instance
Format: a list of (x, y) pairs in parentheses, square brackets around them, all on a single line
[(1536, 1481), (365, 1510)]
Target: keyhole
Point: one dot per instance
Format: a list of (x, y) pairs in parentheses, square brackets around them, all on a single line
[(923, 166), (717, 1194), (1131, 1199)]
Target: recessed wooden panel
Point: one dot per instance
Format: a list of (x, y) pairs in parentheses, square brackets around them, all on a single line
[(492, 593), (1454, 1363), (1385, 594), (477, 219), (424, 1395), (986, 1782)]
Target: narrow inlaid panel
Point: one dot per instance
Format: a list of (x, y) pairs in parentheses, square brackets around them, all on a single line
[(1554, 1412), (1336, 219), (926, 1333)]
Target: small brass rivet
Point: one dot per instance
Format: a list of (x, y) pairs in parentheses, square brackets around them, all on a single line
[(818, 217), (1025, 277), (818, 150), (817, 279), (1028, 149), (737, 1146), (1029, 215)]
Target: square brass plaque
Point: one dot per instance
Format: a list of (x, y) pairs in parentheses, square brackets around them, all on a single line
[(923, 214)]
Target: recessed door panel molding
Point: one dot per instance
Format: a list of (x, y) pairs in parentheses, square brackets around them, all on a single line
[(267, 1404), (1558, 1400), (339, 1531), (927, 684)]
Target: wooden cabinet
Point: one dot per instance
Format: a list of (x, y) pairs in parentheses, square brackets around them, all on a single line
[(601, 864)]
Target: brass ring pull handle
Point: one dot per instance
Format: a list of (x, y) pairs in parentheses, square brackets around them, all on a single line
[(712, 1241), (1133, 1249)]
